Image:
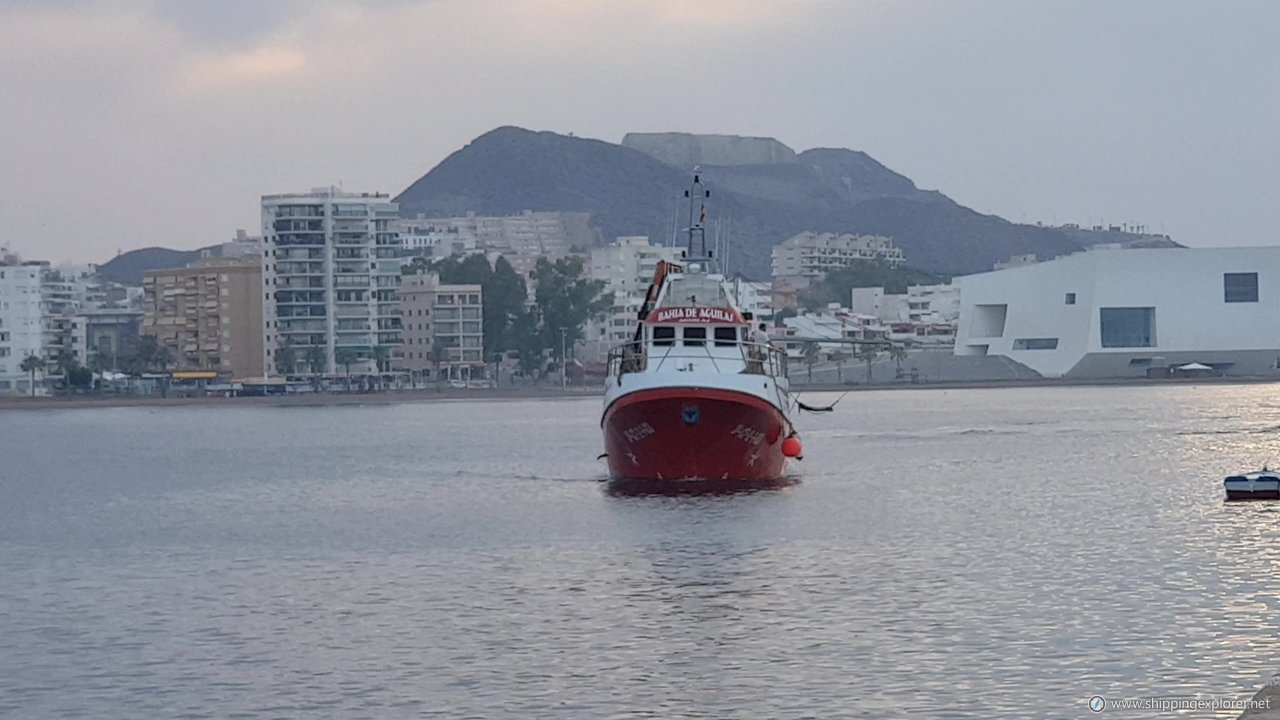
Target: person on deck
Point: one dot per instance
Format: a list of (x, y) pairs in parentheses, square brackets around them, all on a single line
[(759, 350), (760, 336)]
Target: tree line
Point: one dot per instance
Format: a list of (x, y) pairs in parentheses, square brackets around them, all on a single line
[(134, 358), (564, 300)]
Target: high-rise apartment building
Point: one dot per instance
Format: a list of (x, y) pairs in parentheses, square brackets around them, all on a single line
[(21, 321), (208, 314), (330, 278)]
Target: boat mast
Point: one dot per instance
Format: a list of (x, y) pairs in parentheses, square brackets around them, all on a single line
[(697, 195)]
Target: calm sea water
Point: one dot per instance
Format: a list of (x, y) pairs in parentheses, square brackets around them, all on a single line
[(948, 554)]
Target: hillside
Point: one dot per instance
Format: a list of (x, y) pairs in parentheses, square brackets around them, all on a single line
[(127, 268), (629, 192)]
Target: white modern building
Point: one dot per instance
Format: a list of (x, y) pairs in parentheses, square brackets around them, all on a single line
[(437, 238), (521, 238), (834, 323), (626, 267), (1117, 313), (753, 297), (21, 321), (933, 304), (807, 257), (330, 277)]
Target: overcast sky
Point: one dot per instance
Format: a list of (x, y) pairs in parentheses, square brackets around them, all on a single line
[(125, 124)]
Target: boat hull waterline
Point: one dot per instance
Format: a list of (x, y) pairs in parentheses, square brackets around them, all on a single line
[(693, 433)]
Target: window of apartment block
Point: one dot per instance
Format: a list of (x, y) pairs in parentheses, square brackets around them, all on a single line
[(1128, 327), (1035, 344), (1240, 287), (1071, 298)]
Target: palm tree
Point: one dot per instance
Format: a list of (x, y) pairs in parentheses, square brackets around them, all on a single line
[(346, 357), (146, 352), (898, 353), (868, 355), (439, 353), (31, 364), (382, 359), (286, 358), (316, 364), (839, 357), (66, 362), (163, 358), (810, 351), (100, 363), (497, 367)]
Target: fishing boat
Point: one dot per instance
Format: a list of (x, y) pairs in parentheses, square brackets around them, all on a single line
[(1264, 485), (693, 396)]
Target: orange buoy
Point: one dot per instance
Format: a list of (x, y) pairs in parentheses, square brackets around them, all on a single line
[(791, 447)]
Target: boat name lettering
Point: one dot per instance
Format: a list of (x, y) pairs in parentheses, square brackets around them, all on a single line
[(695, 315), (639, 432), (748, 435)]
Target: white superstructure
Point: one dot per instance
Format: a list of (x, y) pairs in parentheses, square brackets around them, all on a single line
[(1116, 313), (695, 337)]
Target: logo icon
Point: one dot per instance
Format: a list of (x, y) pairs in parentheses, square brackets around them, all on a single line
[(1097, 703)]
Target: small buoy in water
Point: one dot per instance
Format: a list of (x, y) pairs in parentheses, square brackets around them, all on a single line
[(791, 447)]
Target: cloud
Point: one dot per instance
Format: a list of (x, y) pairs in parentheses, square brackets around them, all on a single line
[(232, 70), (164, 120)]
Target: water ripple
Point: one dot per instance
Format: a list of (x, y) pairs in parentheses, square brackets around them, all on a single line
[(944, 556)]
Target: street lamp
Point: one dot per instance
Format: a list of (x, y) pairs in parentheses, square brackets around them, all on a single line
[(564, 378)]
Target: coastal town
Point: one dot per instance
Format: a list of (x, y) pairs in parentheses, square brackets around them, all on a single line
[(338, 292)]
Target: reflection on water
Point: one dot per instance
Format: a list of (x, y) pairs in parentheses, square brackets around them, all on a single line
[(622, 487), (956, 554)]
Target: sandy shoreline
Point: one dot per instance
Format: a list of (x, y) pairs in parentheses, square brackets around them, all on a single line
[(396, 397)]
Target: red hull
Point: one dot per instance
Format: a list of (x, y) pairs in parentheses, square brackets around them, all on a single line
[(694, 433)]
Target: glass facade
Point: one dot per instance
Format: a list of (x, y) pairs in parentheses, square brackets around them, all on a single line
[(1127, 327)]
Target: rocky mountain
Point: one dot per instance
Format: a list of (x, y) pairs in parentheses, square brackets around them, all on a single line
[(762, 193)]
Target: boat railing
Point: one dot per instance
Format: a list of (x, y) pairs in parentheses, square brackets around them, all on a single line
[(638, 356)]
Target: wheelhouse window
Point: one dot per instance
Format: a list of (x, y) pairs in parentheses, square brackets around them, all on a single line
[(695, 336), (664, 335), (1240, 287), (726, 336)]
